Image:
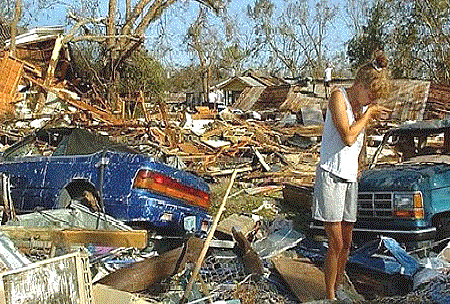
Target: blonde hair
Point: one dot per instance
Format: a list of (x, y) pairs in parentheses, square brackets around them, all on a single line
[(375, 75)]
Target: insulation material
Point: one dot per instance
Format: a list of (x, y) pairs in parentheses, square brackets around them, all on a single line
[(61, 280)]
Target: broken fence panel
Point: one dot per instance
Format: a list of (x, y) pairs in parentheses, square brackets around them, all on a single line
[(65, 279), (10, 257)]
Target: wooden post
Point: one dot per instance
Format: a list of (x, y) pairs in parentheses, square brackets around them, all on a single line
[(144, 108), (199, 263)]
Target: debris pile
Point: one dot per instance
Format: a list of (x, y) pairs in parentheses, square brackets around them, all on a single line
[(255, 253)]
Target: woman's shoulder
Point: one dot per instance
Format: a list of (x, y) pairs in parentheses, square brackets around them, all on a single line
[(336, 93)]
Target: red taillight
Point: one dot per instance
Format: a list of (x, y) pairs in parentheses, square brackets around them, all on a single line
[(171, 187)]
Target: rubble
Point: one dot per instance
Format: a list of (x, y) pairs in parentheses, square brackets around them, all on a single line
[(260, 152)]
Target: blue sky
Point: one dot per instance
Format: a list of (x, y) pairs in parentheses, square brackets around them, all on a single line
[(181, 14)]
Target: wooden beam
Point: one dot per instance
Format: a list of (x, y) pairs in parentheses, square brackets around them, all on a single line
[(100, 114), (213, 228), (64, 237), (261, 159), (132, 238), (53, 61)]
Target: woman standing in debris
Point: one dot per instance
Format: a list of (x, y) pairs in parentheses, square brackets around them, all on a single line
[(336, 189)]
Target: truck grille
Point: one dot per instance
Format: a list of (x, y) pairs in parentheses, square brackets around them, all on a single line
[(379, 205)]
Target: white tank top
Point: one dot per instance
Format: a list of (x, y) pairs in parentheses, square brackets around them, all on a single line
[(335, 156)]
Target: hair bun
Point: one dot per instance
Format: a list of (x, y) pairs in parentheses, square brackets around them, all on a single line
[(379, 59)]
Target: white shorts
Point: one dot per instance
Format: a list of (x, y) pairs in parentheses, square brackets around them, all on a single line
[(335, 199)]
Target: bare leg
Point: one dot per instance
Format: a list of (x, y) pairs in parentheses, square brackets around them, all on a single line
[(335, 245), (347, 229)]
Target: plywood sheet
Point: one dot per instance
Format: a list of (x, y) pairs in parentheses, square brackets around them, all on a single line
[(10, 71)]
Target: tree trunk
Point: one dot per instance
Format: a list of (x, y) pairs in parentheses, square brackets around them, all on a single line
[(17, 14), (128, 9), (111, 29)]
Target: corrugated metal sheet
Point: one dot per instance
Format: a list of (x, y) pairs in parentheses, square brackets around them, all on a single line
[(408, 99), (243, 81), (297, 100), (248, 98), (272, 98), (438, 103)]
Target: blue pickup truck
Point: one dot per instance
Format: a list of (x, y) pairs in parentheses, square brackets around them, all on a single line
[(53, 167), (408, 200)]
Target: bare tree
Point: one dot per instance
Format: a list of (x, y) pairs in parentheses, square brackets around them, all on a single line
[(122, 37), (415, 34), (296, 37), (357, 13), (206, 39)]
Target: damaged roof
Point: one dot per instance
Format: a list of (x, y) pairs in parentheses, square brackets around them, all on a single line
[(240, 82), (408, 99), (38, 35)]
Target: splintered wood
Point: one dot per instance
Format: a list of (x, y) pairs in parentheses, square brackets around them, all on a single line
[(11, 71)]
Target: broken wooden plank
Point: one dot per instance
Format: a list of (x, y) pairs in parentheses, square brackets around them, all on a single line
[(229, 171), (63, 237), (133, 238), (53, 61), (305, 280), (263, 189), (28, 66), (197, 158), (65, 95), (200, 259), (11, 71)]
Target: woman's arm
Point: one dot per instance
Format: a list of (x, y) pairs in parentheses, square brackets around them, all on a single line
[(349, 133)]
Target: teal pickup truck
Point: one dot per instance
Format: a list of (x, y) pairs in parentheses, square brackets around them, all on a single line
[(408, 200)]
